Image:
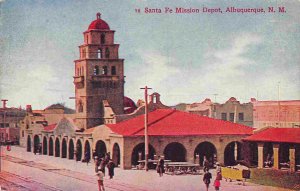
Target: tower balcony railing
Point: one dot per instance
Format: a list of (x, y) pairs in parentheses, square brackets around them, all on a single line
[(78, 79), (98, 78)]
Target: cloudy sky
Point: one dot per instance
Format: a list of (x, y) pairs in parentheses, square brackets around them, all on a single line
[(184, 57)]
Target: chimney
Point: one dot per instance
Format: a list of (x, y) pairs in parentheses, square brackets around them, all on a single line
[(4, 103)]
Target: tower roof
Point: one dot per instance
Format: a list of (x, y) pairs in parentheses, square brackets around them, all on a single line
[(98, 24)]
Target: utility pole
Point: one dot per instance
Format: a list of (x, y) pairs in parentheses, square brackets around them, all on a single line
[(278, 104), (4, 124), (146, 127)]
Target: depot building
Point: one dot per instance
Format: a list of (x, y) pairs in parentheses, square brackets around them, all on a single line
[(106, 121)]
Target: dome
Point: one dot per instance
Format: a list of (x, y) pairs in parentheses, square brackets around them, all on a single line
[(98, 24), (129, 105)]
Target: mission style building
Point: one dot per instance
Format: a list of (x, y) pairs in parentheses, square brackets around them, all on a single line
[(108, 122)]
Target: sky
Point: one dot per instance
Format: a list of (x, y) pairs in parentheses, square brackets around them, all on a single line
[(184, 57)]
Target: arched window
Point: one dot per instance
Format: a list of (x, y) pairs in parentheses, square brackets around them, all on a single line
[(102, 38), (106, 53), (104, 70), (80, 107), (78, 74), (83, 53), (87, 39), (99, 53), (96, 70), (113, 70)]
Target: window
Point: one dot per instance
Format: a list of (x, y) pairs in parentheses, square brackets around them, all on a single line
[(22, 133), (80, 107), (104, 70), (102, 39), (83, 53), (96, 70), (87, 39), (231, 117), (224, 116), (106, 53), (113, 70), (99, 53), (241, 116)]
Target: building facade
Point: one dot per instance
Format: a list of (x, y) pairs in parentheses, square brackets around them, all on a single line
[(276, 113), (232, 110)]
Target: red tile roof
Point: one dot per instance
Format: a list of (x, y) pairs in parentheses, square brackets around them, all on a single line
[(50, 127), (283, 135), (169, 122)]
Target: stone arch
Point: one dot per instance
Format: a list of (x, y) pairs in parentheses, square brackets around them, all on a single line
[(268, 152), (208, 150), (87, 148), (116, 155), (78, 150), (36, 144), (232, 153), (50, 146), (64, 148), (175, 152), (45, 145), (71, 149), (138, 152), (57, 148), (28, 143), (100, 149)]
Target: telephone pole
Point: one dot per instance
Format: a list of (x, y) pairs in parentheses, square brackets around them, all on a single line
[(146, 127)]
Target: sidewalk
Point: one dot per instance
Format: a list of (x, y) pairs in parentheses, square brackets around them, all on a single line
[(142, 179)]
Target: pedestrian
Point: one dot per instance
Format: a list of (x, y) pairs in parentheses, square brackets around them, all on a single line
[(94, 155), (102, 165), (206, 178), (111, 166), (100, 175), (217, 182), (97, 164), (205, 164), (160, 166), (107, 157), (218, 168)]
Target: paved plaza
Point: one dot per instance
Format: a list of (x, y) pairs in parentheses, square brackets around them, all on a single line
[(22, 170)]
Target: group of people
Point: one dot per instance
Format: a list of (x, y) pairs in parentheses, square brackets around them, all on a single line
[(207, 175), (100, 164)]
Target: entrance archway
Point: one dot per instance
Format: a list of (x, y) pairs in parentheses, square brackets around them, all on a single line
[(78, 150), (71, 149), (208, 150), (100, 149), (175, 152), (36, 144), (232, 153), (87, 149), (28, 143), (64, 148), (57, 148), (140, 150), (253, 153), (45, 146), (116, 154), (50, 146)]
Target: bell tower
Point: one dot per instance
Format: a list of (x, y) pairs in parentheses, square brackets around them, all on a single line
[(99, 75)]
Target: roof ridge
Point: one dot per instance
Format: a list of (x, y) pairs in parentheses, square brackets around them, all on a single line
[(155, 121)]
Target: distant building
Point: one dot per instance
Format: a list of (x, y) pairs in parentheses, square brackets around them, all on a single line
[(276, 113), (204, 108), (9, 119), (233, 111)]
